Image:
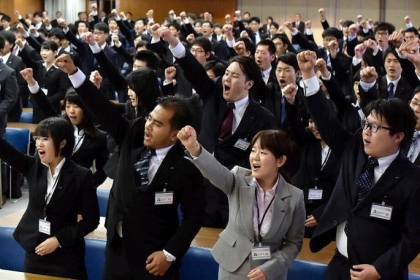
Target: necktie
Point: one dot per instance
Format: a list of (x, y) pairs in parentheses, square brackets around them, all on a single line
[(142, 167), (227, 124), (283, 110), (364, 183), (391, 90), (15, 50), (413, 146)]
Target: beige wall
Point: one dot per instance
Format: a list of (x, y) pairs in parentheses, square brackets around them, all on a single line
[(283, 10)]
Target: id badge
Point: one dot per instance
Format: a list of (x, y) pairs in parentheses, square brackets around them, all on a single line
[(242, 144), (164, 198), (381, 211), (261, 253), (44, 227), (315, 194)]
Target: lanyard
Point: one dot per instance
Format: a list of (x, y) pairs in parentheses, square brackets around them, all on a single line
[(326, 159), (259, 237), (75, 148), (49, 195)]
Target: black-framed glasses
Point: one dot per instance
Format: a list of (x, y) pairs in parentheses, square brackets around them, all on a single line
[(40, 138), (197, 51), (374, 127)]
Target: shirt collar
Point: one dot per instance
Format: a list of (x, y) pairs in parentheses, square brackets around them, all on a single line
[(239, 104), (386, 161), (161, 153), (394, 82), (267, 72), (58, 167), (271, 191), (6, 57)]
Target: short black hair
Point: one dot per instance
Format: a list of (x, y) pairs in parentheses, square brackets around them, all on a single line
[(175, 25), (249, 67), (209, 22), (6, 18), (289, 59), (102, 26), (414, 30), (58, 129), (269, 44), (9, 36), (392, 50), (49, 45), (275, 24), (217, 67), (83, 22), (203, 42), (347, 23), (38, 14), (152, 59), (2, 42), (286, 41), (192, 16), (249, 45), (398, 114), (182, 111), (257, 19), (332, 31), (384, 26), (57, 33)]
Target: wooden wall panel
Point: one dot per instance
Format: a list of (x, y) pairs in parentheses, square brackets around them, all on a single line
[(23, 6)]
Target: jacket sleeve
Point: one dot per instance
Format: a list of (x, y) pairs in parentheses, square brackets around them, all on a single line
[(10, 94)]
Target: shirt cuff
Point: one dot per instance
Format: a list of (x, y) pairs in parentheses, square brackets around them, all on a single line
[(327, 78), (409, 25), (34, 89), (186, 21), (309, 31), (295, 32), (94, 13), (169, 255), (165, 83), (155, 40), (49, 27), (118, 44), (95, 48), (178, 51), (77, 79), (311, 86), (356, 61), (367, 86), (400, 55), (66, 30), (230, 43)]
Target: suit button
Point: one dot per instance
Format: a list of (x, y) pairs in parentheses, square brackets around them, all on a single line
[(335, 223)]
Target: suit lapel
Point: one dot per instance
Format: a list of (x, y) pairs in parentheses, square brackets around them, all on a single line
[(169, 163), (63, 183), (247, 201), (247, 119), (361, 162)]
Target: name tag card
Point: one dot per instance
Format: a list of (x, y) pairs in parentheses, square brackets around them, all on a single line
[(315, 194), (381, 211), (261, 253), (164, 198), (44, 227), (242, 144)]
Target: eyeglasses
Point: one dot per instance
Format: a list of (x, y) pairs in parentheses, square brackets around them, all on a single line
[(196, 51), (40, 138), (414, 104), (278, 44), (373, 126)]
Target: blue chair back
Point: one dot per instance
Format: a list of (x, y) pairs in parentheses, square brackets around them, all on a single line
[(12, 254), (95, 257), (18, 138), (414, 276), (198, 263), (103, 196), (299, 270), (26, 117)]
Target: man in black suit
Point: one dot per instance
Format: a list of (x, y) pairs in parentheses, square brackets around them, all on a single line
[(299, 25), (265, 54), (145, 239), (373, 221), (230, 117), (413, 152), (253, 31), (16, 64)]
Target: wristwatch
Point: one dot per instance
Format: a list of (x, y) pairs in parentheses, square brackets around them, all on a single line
[(168, 257)]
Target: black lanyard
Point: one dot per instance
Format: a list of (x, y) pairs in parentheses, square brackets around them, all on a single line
[(325, 160), (259, 223), (49, 195), (78, 142)]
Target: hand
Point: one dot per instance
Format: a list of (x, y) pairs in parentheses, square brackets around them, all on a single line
[(366, 272), (368, 74), (289, 25), (360, 50), (62, 22), (188, 138), (289, 92), (28, 22), (114, 13), (190, 38), (17, 14), (46, 21), (363, 24), (88, 38), (322, 67), (122, 15), (28, 75), (244, 34), (32, 30), (115, 37), (157, 264), (94, 7), (322, 13), (153, 29), (353, 29), (410, 50), (167, 36), (227, 18), (19, 43), (396, 38), (306, 61), (372, 45), (333, 48), (256, 274), (66, 64), (311, 221), (308, 24), (239, 48), (407, 19), (340, 22), (96, 78), (47, 247), (170, 73), (183, 15), (20, 29), (227, 29)]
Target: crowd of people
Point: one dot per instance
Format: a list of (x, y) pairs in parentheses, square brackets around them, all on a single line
[(266, 134)]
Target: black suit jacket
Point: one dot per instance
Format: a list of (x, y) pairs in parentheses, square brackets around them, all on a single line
[(300, 28), (73, 194), (403, 91), (17, 64), (8, 94), (130, 205), (255, 118), (370, 240)]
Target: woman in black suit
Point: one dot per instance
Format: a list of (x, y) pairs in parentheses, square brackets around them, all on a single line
[(53, 81), (90, 142), (49, 230)]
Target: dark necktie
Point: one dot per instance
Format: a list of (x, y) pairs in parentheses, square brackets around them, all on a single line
[(142, 166), (227, 124), (283, 110), (413, 146), (364, 183), (391, 90)]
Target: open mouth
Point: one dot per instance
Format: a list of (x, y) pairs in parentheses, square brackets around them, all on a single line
[(256, 167), (41, 153), (146, 136), (227, 88)]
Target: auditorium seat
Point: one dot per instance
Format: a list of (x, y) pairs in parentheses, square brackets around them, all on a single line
[(95, 257), (198, 263), (299, 270), (103, 196), (12, 255), (26, 117), (413, 276)]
